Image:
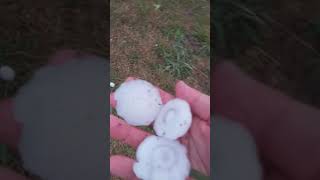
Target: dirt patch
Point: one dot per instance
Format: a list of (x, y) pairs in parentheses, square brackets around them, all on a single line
[(134, 42)]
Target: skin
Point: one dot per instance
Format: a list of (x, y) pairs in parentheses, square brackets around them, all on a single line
[(197, 140), (286, 131)]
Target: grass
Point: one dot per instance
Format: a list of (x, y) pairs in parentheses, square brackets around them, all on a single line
[(201, 34), (120, 148), (159, 41), (143, 7), (176, 60)]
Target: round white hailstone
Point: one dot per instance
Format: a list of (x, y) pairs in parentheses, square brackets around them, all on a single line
[(235, 152), (160, 158), (138, 102), (174, 119), (7, 73), (112, 84), (64, 119)]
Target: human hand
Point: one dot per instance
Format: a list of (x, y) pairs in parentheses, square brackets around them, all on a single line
[(9, 135), (286, 131), (197, 140)]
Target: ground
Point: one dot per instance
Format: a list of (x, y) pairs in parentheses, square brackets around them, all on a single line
[(160, 41)]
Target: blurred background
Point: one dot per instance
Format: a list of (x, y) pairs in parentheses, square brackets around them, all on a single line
[(31, 31), (276, 42)]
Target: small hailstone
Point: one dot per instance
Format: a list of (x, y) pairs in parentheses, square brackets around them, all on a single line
[(160, 158), (174, 119), (112, 84), (7, 73), (138, 102)]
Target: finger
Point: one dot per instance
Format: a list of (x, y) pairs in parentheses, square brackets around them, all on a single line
[(9, 129), (165, 96), (113, 102), (286, 131), (7, 174), (130, 135), (121, 166), (199, 139), (199, 102)]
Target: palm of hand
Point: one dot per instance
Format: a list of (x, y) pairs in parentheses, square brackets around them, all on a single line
[(197, 140)]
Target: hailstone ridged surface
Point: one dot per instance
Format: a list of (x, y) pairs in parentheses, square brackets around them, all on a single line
[(174, 119), (160, 158)]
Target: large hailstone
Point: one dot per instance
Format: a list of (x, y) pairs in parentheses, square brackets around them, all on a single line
[(160, 158), (63, 112), (174, 119), (138, 102), (235, 151)]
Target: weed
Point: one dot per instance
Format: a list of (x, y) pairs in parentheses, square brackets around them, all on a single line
[(174, 32), (176, 60), (177, 57), (133, 57), (203, 38)]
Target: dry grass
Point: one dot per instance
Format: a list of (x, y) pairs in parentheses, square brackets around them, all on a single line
[(138, 29)]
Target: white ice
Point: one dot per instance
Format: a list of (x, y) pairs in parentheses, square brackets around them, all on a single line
[(235, 154), (160, 158), (174, 119), (138, 102), (63, 111)]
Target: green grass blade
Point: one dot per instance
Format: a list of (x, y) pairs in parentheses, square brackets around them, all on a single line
[(198, 175)]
